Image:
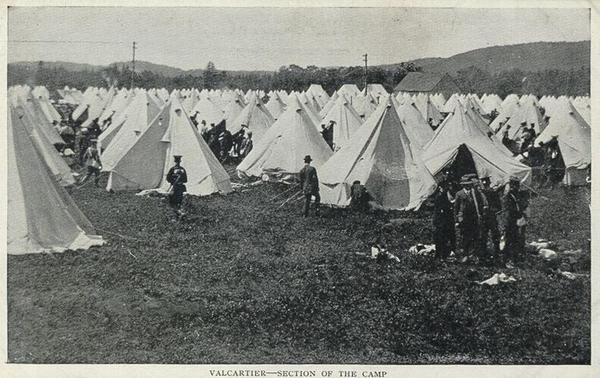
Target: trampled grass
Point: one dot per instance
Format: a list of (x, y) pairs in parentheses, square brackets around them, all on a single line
[(243, 281)]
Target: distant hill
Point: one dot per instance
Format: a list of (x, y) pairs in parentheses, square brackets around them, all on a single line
[(533, 57)]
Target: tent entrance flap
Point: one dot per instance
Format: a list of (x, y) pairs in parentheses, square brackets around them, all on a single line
[(460, 165)]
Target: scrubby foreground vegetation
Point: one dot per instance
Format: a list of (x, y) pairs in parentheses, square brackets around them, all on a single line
[(243, 281)]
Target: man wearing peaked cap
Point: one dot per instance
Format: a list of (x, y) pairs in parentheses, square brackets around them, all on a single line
[(309, 184), (177, 177)]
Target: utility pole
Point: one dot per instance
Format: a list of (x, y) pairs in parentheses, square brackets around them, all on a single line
[(365, 56), (133, 65)]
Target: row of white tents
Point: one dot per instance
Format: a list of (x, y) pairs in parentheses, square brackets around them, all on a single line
[(384, 141)]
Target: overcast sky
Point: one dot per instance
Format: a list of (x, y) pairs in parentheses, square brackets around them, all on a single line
[(267, 38)]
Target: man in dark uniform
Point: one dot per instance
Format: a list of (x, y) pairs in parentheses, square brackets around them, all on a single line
[(177, 177), (469, 209), (444, 236), (513, 219), (309, 184), (490, 222), (359, 197)]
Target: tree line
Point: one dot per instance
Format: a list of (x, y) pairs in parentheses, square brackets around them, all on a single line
[(295, 78)]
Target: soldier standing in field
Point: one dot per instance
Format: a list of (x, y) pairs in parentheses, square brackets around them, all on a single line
[(91, 157), (444, 232), (177, 177), (309, 184)]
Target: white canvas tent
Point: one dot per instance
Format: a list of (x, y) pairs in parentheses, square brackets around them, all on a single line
[(283, 147), (43, 218), (146, 163), (347, 121), (460, 129), (255, 116), (381, 157)]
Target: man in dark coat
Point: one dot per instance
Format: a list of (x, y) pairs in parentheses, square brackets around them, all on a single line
[(444, 233), (513, 221), (309, 184), (177, 177), (490, 221), (469, 208)]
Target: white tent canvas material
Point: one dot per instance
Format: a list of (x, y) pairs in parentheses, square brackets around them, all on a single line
[(255, 116), (43, 217), (347, 121), (146, 163), (381, 157), (283, 147), (459, 128)]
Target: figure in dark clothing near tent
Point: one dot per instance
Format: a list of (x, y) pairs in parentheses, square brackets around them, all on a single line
[(469, 208), (309, 184), (359, 197), (238, 138), (94, 129), (83, 142), (513, 222), (490, 221), (554, 165), (225, 140), (506, 141), (327, 133), (246, 145), (444, 232), (93, 163), (177, 177)]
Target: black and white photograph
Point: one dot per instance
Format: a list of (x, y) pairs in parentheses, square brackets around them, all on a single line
[(286, 186)]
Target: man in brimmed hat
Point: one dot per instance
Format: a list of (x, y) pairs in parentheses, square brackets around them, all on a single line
[(177, 177), (92, 161), (444, 231), (513, 221), (490, 221), (470, 208), (309, 184)]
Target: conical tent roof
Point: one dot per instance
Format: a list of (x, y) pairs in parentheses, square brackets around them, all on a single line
[(58, 168), (573, 134), (329, 104), (428, 110), (347, 121), (208, 111), (286, 142), (380, 156), (459, 128), (233, 108), (275, 105), (42, 215), (256, 116), (146, 163), (119, 137), (417, 129), (364, 105)]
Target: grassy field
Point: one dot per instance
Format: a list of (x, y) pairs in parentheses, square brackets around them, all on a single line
[(241, 281)]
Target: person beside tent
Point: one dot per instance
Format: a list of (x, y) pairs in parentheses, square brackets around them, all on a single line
[(490, 221), (309, 184), (327, 133), (444, 232), (470, 208), (68, 134), (93, 163), (225, 142), (177, 177), (514, 222), (359, 197), (554, 165), (246, 145)]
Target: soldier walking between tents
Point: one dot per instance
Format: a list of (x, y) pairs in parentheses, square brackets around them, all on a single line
[(309, 184), (469, 210), (444, 232), (177, 177), (92, 161)]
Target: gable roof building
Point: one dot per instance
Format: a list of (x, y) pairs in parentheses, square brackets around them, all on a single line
[(424, 82)]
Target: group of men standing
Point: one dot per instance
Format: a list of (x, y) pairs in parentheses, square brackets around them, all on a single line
[(222, 143), (474, 212)]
